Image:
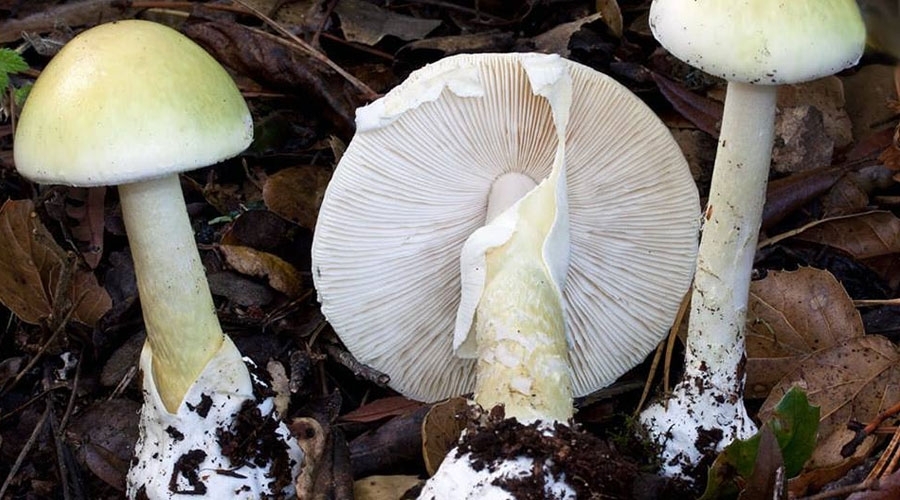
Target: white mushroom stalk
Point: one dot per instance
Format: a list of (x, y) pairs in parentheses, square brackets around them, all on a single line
[(755, 45), (133, 103), (183, 331)]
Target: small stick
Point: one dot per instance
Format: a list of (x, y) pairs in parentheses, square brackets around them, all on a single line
[(25, 449)]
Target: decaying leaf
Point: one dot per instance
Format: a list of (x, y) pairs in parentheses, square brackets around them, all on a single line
[(703, 112), (855, 380), (104, 436), (380, 409), (792, 314), (280, 275), (556, 40), (85, 207), (612, 15), (368, 23), (31, 264), (383, 487), (441, 429), (867, 235), (296, 193)]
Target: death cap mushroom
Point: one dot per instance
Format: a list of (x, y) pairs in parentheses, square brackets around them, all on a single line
[(415, 182)]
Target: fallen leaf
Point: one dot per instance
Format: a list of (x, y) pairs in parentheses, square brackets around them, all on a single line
[(785, 441), (865, 236), (104, 435), (31, 264), (827, 464), (801, 141), (556, 40), (764, 481), (280, 275), (368, 23), (85, 207), (441, 429), (887, 489), (383, 487), (612, 15), (274, 63), (380, 409), (787, 194), (703, 112), (792, 314), (296, 193), (855, 380)]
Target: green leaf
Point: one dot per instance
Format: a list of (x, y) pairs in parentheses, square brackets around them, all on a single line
[(21, 94), (10, 62), (794, 424)]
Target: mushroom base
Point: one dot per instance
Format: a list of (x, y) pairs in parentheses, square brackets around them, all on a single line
[(503, 459), (694, 425), (225, 441)]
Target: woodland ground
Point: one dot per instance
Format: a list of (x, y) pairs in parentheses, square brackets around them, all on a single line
[(68, 386)]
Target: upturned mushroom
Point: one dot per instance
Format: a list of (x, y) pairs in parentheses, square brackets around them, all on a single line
[(522, 211), (754, 45), (133, 103)]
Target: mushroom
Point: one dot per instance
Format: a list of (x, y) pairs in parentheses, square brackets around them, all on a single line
[(466, 137), (519, 208), (133, 103), (755, 46)]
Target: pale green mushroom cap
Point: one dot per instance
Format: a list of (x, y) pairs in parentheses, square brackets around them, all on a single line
[(129, 101), (768, 42)]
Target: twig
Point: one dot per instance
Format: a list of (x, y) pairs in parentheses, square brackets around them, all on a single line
[(669, 347), (882, 302), (794, 232), (360, 370), (25, 449)]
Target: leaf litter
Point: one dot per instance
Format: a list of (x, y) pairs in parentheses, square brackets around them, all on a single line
[(304, 68)]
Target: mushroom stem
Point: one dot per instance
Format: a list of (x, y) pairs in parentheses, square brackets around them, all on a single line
[(730, 233), (523, 361), (710, 395), (522, 352), (183, 331)]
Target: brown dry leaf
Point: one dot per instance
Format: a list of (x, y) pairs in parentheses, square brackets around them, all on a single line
[(887, 489), (827, 464), (857, 380), (296, 193), (380, 409), (383, 487), (368, 23), (89, 221), (441, 430), (104, 434), (792, 314), (612, 15), (280, 275), (30, 266), (867, 235), (556, 40)]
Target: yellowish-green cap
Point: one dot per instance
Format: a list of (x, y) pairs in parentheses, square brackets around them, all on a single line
[(129, 101), (767, 42)]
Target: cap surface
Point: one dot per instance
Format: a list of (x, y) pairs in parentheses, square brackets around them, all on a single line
[(761, 41), (128, 101), (414, 184)]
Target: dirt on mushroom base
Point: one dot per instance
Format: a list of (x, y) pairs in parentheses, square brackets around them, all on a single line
[(592, 466)]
